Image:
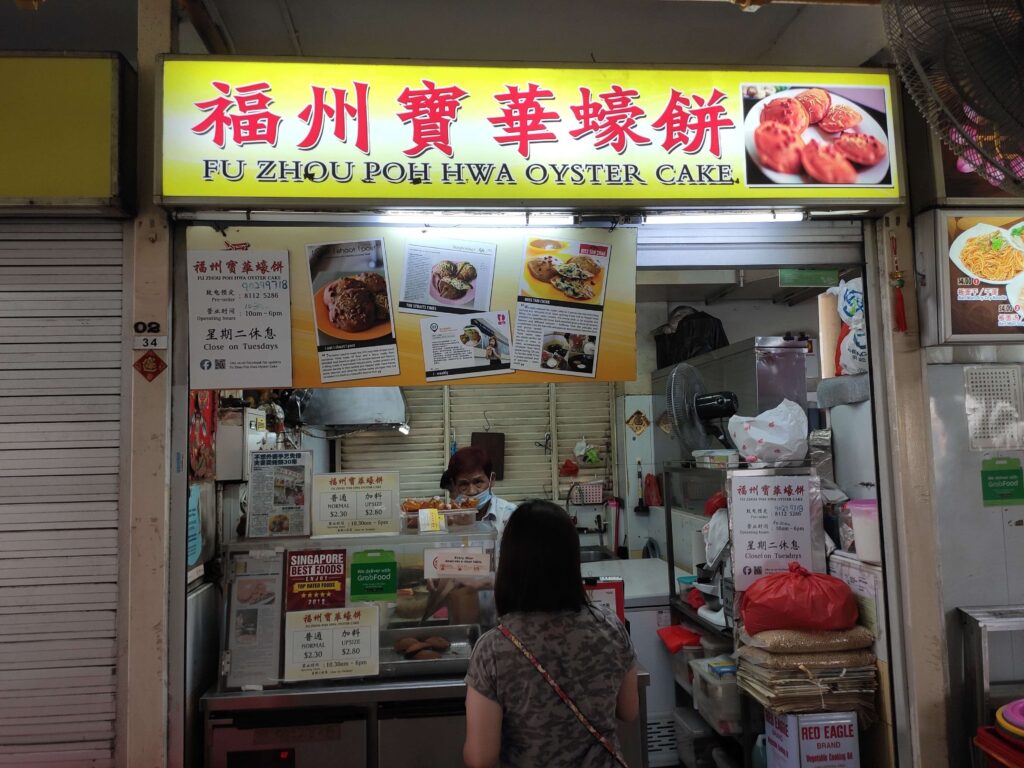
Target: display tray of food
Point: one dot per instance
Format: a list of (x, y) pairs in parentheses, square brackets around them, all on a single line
[(433, 650), (455, 514)]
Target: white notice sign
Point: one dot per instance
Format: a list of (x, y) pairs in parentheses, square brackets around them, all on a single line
[(331, 643), (356, 502), (771, 525), (239, 322)]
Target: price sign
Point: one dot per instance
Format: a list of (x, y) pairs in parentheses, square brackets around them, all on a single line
[(323, 644), (356, 502)]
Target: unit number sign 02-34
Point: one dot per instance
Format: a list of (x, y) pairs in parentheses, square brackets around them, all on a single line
[(148, 335)]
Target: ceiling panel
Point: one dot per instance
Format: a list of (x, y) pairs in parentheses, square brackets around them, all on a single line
[(70, 25), (641, 31)]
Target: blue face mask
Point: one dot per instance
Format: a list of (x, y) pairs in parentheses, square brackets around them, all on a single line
[(482, 498)]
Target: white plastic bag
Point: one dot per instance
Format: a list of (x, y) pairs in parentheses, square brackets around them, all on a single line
[(852, 354), (779, 434)]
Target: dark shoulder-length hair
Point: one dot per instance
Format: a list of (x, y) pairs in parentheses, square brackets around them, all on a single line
[(539, 562)]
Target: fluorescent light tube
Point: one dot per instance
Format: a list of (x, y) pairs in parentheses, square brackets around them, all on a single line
[(725, 217), (441, 218)]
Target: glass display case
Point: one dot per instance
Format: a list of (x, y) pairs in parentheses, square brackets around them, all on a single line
[(303, 609)]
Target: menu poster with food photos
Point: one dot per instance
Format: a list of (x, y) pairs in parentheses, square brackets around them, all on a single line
[(315, 578), (457, 346), (986, 276), (352, 312), (560, 306), (239, 321), (279, 490), (445, 275), (254, 624)]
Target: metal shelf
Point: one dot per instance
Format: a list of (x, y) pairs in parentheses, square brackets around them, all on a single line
[(686, 610)]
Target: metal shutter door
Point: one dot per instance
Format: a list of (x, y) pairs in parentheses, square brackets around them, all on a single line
[(60, 388), (522, 413), (419, 457)]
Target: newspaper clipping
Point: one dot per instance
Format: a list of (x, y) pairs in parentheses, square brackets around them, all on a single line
[(279, 483), (456, 346), (451, 276), (254, 633)]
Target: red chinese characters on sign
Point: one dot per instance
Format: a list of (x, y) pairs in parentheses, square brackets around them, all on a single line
[(338, 110), (245, 111), (690, 122), (612, 118), (524, 118), (431, 110)]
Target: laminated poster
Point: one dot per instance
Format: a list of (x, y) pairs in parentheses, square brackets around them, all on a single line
[(450, 276), (315, 578), (456, 346), (239, 319), (352, 312), (771, 525), (279, 483), (254, 631), (560, 306), (356, 502), (324, 644)]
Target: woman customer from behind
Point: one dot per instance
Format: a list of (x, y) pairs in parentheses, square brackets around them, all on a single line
[(515, 716)]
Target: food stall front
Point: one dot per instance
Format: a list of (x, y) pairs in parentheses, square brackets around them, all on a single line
[(377, 264)]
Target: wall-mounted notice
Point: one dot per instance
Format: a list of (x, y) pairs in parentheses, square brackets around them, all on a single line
[(279, 493), (315, 578), (560, 306), (355, 331), (771, 525), (325, 644), (239, 321), (456, 346), (254, 626), (452, 276), (356, 502)]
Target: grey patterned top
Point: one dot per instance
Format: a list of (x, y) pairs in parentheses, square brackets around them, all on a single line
[(588, 653)]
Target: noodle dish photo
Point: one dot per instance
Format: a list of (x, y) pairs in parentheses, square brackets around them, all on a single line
[(987, 254)]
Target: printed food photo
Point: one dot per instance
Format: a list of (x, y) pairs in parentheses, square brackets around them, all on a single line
[(553, 273), (453, 283), (816, 136)]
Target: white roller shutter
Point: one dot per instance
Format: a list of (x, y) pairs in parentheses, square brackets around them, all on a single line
[(419, 457), (60, 388), (522, 413), (584, 412)]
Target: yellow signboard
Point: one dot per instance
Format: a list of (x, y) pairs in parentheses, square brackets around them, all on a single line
[(305, 132), (59, 136)]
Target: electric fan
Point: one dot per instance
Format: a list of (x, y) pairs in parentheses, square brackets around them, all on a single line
[(963, 64), (696, 413)]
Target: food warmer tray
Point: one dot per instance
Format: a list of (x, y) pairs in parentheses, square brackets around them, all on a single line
[(453, 661)]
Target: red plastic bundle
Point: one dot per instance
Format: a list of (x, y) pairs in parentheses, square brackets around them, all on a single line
[(798, 600)]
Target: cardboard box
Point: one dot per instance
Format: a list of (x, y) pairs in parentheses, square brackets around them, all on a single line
[(865, 580), (827, 740)]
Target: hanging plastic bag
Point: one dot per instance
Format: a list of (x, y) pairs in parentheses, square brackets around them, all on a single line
[(798, 599), (851, 354), (778, 434)]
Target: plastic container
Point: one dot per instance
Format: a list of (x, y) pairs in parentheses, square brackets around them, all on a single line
[(693, 737), (716, 646), (716, 458), (717, 698), (866, 539), (681, 665)]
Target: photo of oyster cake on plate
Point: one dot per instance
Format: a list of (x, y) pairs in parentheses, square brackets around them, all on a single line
[(561, 299), (444, 275), (817, 135), (352, 312)]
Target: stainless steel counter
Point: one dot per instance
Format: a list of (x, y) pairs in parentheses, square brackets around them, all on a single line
[(378, 708)]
